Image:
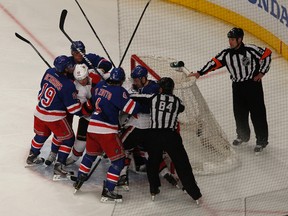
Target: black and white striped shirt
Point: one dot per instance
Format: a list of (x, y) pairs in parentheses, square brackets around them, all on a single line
[(242, 64), (165, 110)]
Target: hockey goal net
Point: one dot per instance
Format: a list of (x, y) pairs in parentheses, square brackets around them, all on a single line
[(205, 142)]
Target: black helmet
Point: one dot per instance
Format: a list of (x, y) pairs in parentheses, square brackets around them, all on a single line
[(235, 33), (167, 85)]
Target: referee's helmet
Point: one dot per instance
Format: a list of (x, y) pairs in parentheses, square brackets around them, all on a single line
[(235, 33)]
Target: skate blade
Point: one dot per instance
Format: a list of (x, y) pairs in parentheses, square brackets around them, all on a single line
[(57, 177), (107, 200), (258, 153), (124, 187), (153, 197), (35, 164), (177, 186), (32, 165)]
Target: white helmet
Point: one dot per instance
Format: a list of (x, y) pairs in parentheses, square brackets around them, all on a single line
[(80, 71)]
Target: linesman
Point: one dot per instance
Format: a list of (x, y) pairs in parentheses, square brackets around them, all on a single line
[(247, 64)]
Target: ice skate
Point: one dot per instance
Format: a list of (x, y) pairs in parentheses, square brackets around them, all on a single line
[(141, 169), (33, 160), (60, 173), (110, 196), (171, 179), (79, 182), (123, 182), (70, 160), (50, 159), (258, 149), (239, 141), (153, 193)]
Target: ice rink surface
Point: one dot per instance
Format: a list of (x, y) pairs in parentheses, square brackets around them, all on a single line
[(257, 187)]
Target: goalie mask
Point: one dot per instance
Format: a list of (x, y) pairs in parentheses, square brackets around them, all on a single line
[(167, 85), (80, 72)]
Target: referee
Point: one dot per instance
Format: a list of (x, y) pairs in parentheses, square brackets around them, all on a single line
[(165, 108), (247, 64)]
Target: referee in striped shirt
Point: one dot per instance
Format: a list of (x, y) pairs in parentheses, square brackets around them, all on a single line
[(165, 108), (247, 64)]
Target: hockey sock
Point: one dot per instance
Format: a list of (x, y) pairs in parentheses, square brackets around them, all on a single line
[(55, 145), (86, 164), (113, 173), (65, 150), (79, 147), (37, 143), (127, 162)]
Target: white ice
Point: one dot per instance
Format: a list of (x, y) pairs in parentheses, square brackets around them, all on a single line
[(25, 191)]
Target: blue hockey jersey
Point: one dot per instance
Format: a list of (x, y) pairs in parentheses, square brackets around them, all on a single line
[(109, 101), (142, 120), (57, 96), (96, 60)]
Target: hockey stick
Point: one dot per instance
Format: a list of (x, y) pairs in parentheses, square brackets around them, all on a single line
[(78, 185), (95, 32), (139, 21), (95, 166), (27, 41), (61, 26)]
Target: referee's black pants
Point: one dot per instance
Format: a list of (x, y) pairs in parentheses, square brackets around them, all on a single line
[(248, 98), (170, 142)]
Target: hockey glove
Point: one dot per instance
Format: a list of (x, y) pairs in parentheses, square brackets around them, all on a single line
[(87, 108)]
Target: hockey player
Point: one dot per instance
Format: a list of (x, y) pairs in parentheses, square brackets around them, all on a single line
[(135, 136), (83, 82), (166, 138), (108, 98), (102, 66), (56, 97)]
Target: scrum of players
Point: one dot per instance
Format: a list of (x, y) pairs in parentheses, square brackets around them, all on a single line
[(94, 92)]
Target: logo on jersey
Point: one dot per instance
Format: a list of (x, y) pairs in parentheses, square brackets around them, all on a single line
[(245, 61)]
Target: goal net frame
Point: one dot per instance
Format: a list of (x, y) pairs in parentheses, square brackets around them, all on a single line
[(206, 143)]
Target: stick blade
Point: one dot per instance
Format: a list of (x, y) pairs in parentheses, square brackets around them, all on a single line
[(62, 19), (21, 38)]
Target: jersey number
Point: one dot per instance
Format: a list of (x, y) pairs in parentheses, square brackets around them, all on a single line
[(163, 106), (97, 108), (47, 95)]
